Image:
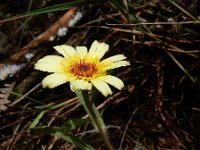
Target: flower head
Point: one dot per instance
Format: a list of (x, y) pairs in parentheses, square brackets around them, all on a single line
[(82, 68)]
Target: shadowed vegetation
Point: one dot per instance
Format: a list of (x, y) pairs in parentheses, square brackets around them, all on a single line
[(159, 106)]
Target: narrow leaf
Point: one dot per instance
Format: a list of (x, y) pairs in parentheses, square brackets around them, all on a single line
[(37, 119), (181, 67), (76, 141), (54, 8), (83, 95), (45, 130), (73, 124)]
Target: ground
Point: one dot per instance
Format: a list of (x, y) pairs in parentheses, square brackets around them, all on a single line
[(159, 106)]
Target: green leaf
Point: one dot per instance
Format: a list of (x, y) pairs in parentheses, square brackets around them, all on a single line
[(120, 7), (41, 114), (90, 108), (73, 124), (181, 67), (76, 141), (54, 8), (183, 10), (57, 131), (37, 119), (45, 130)]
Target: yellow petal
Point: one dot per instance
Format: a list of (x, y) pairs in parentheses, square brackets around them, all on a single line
[(80, 85), (54, 80), (115, 58), (98, 49), (117, 65), (102, 87), (65, 50), (82, 51), (51, 63), (114, 81)]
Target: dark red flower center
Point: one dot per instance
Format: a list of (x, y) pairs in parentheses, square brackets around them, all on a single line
[(83, 69)]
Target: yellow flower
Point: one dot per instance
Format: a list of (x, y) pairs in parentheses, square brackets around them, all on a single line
[(82, 68)]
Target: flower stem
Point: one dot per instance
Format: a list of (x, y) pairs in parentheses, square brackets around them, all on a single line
[(94, 115)]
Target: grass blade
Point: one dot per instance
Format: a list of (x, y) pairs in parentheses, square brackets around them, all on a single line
[(54, 8)]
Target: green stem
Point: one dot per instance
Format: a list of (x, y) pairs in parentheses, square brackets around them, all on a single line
[(183, 10), (94, 114)]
